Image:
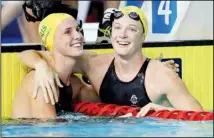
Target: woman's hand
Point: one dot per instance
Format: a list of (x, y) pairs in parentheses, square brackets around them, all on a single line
[(169, 63), (172, 65), (151, 106), (144, 110), (45, 78)]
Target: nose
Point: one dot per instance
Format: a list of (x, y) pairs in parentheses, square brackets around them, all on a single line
[(77, 35), (123, 33)]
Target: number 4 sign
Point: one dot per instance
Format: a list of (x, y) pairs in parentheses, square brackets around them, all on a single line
[(164, 14)]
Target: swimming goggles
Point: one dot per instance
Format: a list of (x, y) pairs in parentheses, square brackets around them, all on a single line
[(132, 15)]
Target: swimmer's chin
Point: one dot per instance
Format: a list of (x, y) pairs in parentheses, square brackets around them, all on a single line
[(78, 54)]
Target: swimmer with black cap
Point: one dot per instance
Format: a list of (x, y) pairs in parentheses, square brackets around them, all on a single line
[(128, 77), (61, 35)]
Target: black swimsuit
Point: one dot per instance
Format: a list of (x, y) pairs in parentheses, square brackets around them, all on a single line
[(65, 98), (115, 91)]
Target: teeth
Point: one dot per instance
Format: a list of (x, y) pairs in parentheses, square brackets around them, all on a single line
[(76, 44), (123, 43)]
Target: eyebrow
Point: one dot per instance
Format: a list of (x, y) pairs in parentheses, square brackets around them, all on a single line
[(133, 25), (68, 28), (129, 25)]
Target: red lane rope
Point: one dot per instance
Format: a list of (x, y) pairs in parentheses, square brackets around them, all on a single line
[(101, 109)]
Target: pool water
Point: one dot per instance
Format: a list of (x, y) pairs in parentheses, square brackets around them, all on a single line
[(74, 125)]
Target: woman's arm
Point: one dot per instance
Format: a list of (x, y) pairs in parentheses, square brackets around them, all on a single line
[(33, 58), (9, 12), (83, 91), (171, 85), (45, 76)]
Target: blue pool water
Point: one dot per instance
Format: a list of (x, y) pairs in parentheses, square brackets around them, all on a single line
[(73, 125)]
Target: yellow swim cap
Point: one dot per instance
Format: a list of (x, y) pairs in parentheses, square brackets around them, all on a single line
[(143, 18), (48, 26)]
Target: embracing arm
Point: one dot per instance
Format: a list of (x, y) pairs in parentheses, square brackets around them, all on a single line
[(45, 76), (33, 58)]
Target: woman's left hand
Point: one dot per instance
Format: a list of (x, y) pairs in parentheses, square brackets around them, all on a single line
[(172, 65), (151, 106), (144, 110), (169, 63)]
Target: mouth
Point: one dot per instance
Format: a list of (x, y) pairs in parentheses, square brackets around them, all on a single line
[(123, 43), (77, 44)]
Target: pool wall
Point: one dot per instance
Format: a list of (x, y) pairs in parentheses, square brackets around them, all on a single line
[(194, 57)]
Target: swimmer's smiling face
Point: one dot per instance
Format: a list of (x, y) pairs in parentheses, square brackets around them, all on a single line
[(68, 40), (127, 36)]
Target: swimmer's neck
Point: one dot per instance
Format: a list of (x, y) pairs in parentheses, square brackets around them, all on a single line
[(130, 64), (63, 65)]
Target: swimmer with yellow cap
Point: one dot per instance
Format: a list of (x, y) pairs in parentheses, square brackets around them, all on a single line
[(61, 35), (48, 28), (129, 30)]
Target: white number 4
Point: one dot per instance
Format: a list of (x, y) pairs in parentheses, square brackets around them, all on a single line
[(166, 11)]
